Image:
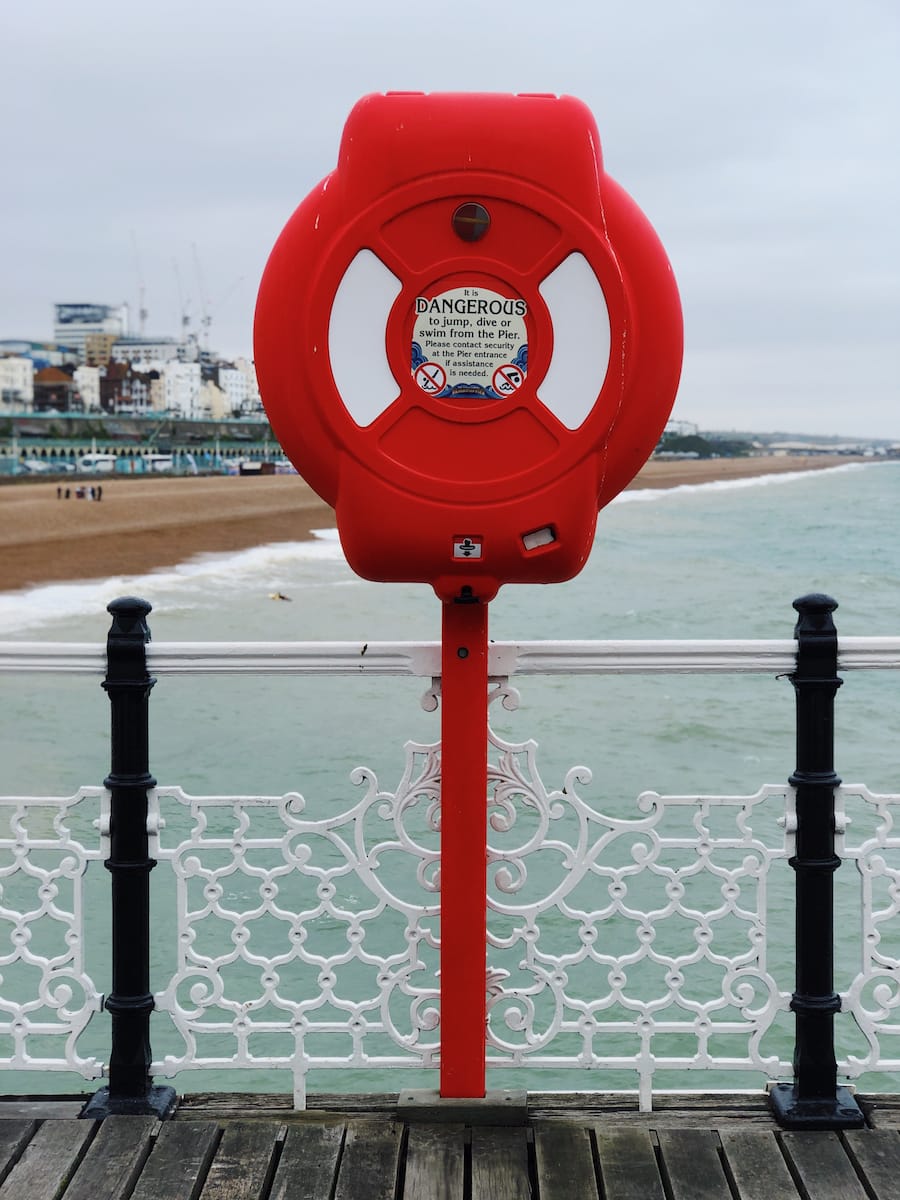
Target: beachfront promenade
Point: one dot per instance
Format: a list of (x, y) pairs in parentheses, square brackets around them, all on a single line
[(671, 963)]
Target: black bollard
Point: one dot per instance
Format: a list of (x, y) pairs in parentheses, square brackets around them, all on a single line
[(814, 1100), (130, 1001)]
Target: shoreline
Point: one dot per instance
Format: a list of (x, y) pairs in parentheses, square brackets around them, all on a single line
[(141, 525)]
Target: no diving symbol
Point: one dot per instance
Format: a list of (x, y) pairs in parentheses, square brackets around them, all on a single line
[(431, 377), (507, 379)]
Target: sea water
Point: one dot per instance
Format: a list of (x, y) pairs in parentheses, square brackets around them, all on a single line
[(720, 560)]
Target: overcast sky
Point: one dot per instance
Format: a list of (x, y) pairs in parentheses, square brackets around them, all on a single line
[(164, 145)]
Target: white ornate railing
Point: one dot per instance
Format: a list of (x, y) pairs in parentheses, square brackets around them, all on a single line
[(304, 940), (870, 839), (47, 996)]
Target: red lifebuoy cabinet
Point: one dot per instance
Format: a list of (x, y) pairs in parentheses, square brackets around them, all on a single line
[(468, 339)]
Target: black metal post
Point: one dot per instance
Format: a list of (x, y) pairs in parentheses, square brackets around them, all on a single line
[(130, 1002), (814, 1100)]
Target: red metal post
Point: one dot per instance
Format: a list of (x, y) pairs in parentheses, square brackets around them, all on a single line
[(463, 848)]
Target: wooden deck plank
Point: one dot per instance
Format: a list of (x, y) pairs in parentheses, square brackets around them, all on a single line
[(49, 1160), (370, 1162), (822, 1166), (14, 1137), (628, 1166), (500, 1164), (12, 1108), (113, 1162), (756, 1166), (243, 1163), (692, 1166), (179, 1161), (876, 1153), (565, 1162), (435, 1162), (882, 1112), (701, 1111), (309, 1162)]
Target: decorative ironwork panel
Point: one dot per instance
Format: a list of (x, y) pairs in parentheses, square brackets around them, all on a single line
[(47, 997), (868, 835), (635, 944), (304, 942)]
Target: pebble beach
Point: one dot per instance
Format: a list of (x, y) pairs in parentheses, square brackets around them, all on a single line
[(147, 523)]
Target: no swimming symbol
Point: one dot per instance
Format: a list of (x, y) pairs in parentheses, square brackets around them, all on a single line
[(507, 379), (431, 377)]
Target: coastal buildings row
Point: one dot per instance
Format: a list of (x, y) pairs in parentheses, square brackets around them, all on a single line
[(96, 367), (93, 365)]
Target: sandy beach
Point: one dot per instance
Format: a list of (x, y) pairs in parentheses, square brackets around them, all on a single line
[(144, 524)]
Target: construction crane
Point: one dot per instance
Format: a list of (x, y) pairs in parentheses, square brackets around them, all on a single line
[(205, 318), (183, 304), (205, 304), (142, 311)]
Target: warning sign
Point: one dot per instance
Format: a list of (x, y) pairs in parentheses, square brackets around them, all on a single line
[(507, 378), (431, 377), (472, 341)]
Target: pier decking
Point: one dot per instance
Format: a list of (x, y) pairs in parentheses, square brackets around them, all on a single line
[(570, 1147)]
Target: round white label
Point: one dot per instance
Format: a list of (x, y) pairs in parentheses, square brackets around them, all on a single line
[(470, 342)]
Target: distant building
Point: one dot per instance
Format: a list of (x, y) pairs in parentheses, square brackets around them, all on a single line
[(236, 386), (87, 380), (16, 384), (680, 429), (155, 352), (125, 390), (254, 400), (41, 354), (213, 401), (74, 323), (98, 348), (181, 387), (780, 449), (55, 391)]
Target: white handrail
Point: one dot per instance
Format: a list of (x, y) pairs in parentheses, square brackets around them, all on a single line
[(63, 658), (672, 656)]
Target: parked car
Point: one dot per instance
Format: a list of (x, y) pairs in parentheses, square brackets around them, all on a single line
[(158, 462), (97, 462)]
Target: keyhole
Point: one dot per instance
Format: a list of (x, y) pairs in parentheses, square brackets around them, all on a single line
[(471, 222)]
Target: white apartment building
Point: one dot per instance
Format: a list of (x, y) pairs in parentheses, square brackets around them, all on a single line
[(145, 353), (235, 386), (74, 323), (181, 389), (248, 370), (87, 380), (16, 384)]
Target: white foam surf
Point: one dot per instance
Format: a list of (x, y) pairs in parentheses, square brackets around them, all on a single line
[(643, 495), (179, 586)]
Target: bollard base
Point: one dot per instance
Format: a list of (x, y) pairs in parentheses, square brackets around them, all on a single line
[(157, 1102), (791, 1112), (505, 1107)]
